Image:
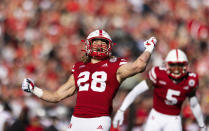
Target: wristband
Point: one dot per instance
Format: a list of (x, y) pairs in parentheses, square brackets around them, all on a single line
[(149, 49), (121, 110), (37, 91), (202, 126)]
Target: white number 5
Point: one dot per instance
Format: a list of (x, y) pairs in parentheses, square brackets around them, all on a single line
[(170, 99), (98, 82)]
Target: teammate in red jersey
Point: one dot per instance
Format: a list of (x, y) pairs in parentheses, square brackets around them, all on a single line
[(172, 84), (96, 79)]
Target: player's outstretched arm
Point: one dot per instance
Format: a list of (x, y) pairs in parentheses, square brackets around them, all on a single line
[(129, 99), (139, 65), (66, 90), (196, 110)]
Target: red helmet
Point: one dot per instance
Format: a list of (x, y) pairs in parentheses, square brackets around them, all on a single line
[(176, 63), (103, 52)]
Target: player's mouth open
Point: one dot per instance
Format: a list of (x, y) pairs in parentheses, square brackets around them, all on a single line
[(176, 74)]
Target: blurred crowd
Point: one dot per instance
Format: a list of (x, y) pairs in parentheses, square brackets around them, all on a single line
[(41, 39)]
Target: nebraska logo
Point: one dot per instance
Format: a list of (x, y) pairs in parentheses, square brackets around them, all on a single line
[(82, 66), (100, 127), (186, 88), (162, 82), (105, 65)]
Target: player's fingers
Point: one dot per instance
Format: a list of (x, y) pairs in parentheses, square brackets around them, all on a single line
[(153, 40), (24, 83), (145, 42), (120, 122), (115, 124), (30, 81)]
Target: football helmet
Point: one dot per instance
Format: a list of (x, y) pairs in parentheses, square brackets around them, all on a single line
[(98, 51), (176, 63)]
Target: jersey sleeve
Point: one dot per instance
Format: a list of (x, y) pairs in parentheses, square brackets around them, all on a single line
[(193, 83), (73, 69), (75, 66), (115, 63), (193, 80), (152, 75), (122, 61)]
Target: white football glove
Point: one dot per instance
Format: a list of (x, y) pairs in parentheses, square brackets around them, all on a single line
[(118, 118), (150, 44), (203, 128), (28, 85)]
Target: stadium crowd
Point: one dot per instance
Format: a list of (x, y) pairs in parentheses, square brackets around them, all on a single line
[(41, 39)]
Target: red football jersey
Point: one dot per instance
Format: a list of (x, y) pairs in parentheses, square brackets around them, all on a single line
[(96, 86), (169, 96)]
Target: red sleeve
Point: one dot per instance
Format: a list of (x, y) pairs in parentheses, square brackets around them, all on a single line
[(152, 75), (73, 69), (197, 80), (193, 83), (122, 61), (116, 63), (75, 66), (193, 80)]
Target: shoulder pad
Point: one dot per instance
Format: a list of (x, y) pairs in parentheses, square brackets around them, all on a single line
[(162, 68), (192, 74)]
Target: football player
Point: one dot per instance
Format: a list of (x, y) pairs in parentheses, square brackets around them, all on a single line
[(172, 85), (96, 80)]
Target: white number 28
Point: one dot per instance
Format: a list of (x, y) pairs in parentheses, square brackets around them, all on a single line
[(98, 84)]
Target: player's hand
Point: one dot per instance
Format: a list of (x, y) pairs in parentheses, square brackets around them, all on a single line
[(150, 44), (28, 85), (118, 119), (203, 128)]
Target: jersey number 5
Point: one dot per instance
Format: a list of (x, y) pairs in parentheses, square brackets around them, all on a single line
[(98, 82), (170, 99)]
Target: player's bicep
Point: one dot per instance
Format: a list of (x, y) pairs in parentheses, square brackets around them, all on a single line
[(67, 89), (125, 71)]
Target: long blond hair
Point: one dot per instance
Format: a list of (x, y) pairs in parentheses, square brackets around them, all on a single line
[(85, 58)]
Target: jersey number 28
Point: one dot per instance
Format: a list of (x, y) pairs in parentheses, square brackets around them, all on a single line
[(98, 82)]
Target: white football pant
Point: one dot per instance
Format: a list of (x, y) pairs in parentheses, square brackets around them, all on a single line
[(90, 124), (161, 122)]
